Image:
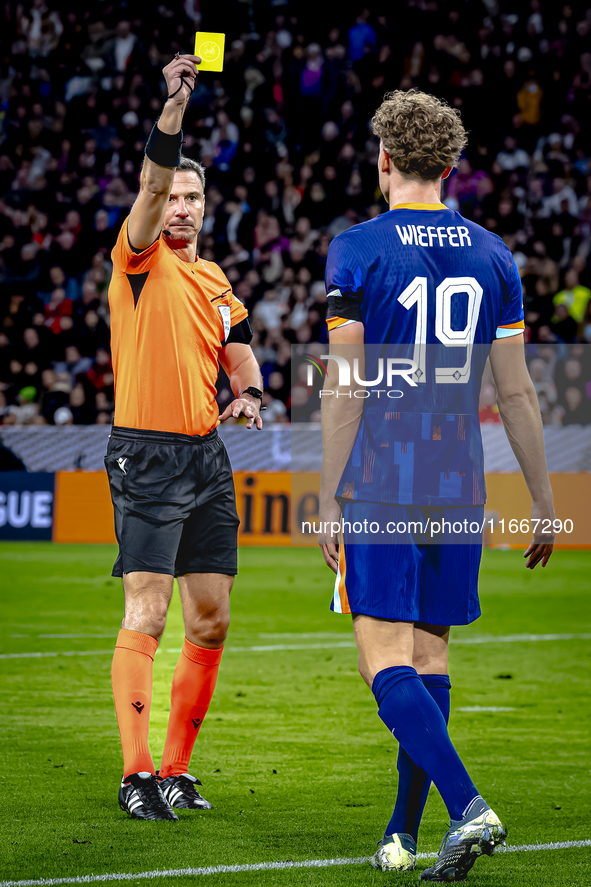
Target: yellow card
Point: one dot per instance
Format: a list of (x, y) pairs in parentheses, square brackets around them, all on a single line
[(210, 49)]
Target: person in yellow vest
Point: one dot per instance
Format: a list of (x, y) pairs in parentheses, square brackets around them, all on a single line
[(529, 100), (574, 296)]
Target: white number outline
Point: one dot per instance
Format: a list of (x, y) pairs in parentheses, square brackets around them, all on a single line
[(416, 294)]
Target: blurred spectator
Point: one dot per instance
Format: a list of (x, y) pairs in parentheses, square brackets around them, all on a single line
[(73, 364), (573, 297), (467, 189), (488, 410), (100, 375), (224, 140), (55, 394), (63, 416), (362, 37), (269, 310), (577, 409), (124, 44), (542, 381), (82, 412), (58, 306), (511, 157)]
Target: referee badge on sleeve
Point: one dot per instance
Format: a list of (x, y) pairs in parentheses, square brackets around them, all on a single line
[(225, 311)]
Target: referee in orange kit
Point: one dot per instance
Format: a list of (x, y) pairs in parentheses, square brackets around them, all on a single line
[(173, 318)]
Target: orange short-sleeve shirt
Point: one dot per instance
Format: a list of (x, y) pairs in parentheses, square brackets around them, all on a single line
[(169, 321)]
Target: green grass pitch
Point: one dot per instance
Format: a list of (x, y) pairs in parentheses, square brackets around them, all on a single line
[(292, 754)]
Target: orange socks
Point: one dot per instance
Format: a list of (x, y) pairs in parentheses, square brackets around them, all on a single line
[(193, 684), (131, 676)]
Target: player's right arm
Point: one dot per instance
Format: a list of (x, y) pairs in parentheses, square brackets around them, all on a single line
[(341, 409), (145, 219), (341, 413), (518, 406)]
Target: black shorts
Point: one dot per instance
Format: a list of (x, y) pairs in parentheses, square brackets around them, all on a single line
[(174, 502)]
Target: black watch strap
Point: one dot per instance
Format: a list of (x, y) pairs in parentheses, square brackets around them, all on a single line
[(254, 392)]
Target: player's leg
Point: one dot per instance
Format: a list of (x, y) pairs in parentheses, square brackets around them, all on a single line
[(430, 648), (449, 593), (206, 566), (408, 710), (386, 584), (381, 580), (430, 655), (206, 612)]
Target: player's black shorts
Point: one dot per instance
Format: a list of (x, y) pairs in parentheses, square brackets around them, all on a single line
[(174, 502)]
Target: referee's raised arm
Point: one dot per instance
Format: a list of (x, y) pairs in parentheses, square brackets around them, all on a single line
[(163, 152)]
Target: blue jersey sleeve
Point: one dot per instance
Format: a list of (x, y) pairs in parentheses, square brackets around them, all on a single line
[(344, 285), (511, 322)]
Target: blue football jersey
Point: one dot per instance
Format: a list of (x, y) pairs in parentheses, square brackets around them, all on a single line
[(433, 291)]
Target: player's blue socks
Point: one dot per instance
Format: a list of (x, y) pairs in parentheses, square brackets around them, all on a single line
[(414, 718), (413, 782)]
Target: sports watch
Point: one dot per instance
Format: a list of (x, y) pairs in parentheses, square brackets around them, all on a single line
[(254, 392)]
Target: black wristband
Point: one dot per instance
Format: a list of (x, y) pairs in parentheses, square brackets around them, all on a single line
[(163, 148), (254, 392)]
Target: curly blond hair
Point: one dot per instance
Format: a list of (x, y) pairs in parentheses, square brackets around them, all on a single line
[(420, 132)]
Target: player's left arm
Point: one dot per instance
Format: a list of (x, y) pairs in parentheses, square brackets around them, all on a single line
[(243, 371), (520, 412)]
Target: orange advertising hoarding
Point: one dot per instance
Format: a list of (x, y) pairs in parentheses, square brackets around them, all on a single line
[(83, 510), (273, 505)]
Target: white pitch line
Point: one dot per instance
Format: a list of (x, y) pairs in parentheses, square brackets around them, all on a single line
[(56, 653), (112, 635), (307, 635), (518, 638), (478, 639), (485, 708), (256, 867), (558, 845), (273, 648), (322, 645)]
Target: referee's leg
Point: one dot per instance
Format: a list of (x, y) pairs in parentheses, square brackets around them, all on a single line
[(205, 599), (147, 597)]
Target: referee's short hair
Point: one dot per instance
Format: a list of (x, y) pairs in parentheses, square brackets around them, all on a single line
[(188, 165)]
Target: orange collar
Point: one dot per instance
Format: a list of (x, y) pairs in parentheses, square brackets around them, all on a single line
[(420, 206)]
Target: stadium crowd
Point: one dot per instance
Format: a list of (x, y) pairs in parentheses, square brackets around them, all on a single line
[(290, 162)]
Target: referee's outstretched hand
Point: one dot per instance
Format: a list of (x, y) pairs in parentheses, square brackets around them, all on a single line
[(180, 75), (242, 406)]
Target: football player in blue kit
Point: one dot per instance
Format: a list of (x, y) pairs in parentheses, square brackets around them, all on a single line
[(422, 282)]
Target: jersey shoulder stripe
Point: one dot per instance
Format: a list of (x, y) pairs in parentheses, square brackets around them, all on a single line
[(334, 323), (506, 330)]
